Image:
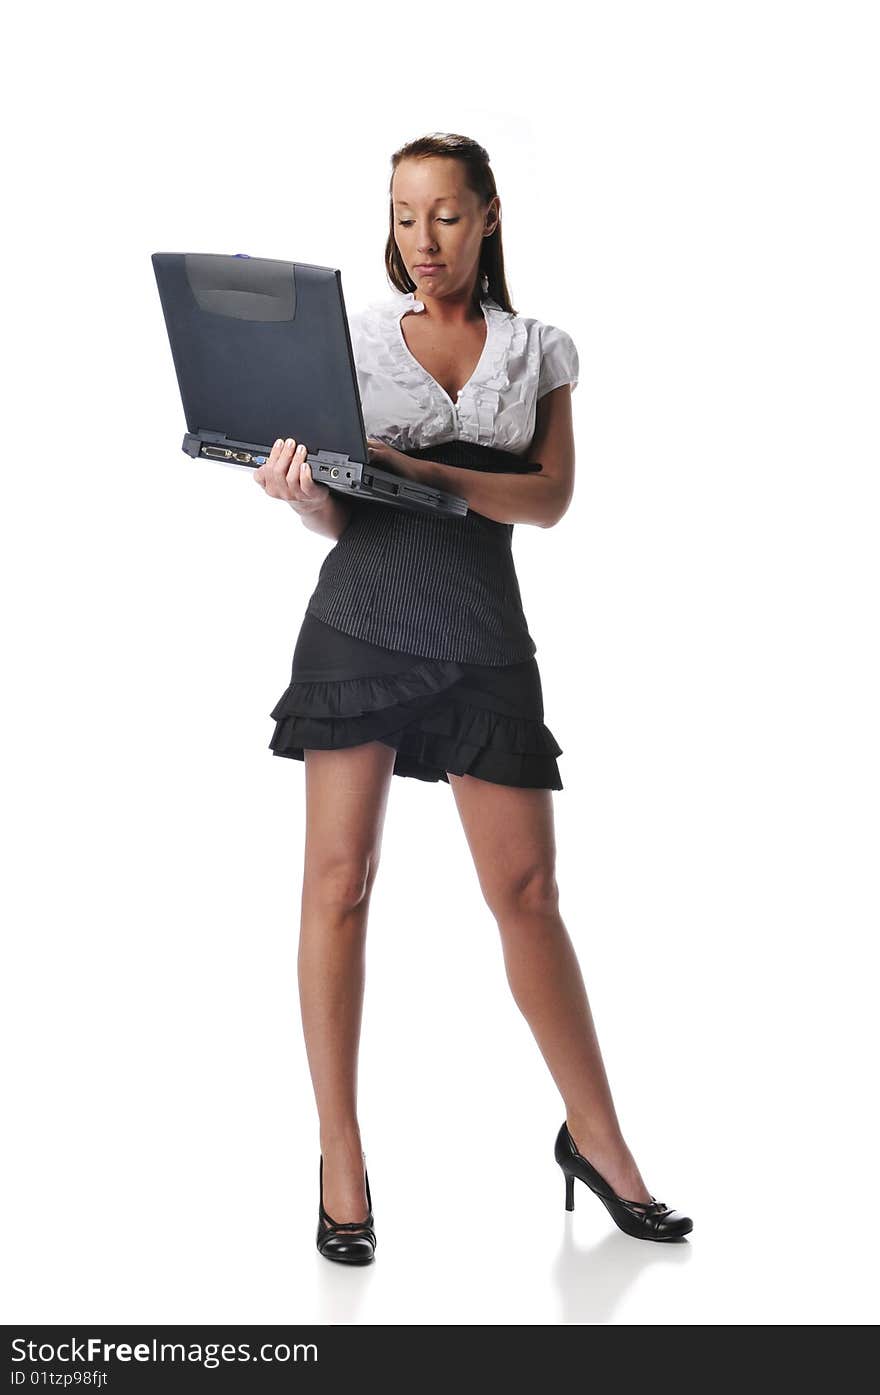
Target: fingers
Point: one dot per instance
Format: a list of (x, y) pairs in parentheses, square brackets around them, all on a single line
[(303, 487), (286, 475), (267, 474), (309, 487), (292, 461), (297, 468)]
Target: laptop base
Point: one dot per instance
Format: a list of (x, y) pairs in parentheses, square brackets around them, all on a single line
[(336, 471)]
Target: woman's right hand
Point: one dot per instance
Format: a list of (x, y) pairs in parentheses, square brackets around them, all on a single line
[(286, 475)]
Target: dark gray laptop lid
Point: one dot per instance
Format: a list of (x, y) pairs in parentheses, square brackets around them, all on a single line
[(261, 349)]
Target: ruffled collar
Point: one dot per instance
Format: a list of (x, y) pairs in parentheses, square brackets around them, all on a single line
[(491, 370), (410, 302)]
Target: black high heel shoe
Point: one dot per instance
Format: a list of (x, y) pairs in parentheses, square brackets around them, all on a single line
[(347, 1242), (647, 1220)]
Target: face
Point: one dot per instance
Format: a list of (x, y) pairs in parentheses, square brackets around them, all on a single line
[(439, 220)]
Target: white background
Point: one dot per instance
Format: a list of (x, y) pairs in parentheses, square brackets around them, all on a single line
[(690, 190)]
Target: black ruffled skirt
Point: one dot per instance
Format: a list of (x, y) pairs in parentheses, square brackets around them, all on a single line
[(440, 716)]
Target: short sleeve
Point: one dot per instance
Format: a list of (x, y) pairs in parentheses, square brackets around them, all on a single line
[(559, 360)]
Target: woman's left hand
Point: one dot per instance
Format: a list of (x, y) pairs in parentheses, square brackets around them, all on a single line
[(391, 459)]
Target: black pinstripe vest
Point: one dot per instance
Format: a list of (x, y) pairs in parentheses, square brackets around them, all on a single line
[(443, 588)]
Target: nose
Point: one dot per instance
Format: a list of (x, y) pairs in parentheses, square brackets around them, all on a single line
[(427, 246)]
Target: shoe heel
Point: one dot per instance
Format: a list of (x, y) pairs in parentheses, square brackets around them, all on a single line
[(569, 1191), (647, 1220)]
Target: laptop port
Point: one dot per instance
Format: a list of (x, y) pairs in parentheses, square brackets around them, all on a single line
[(243, 457)]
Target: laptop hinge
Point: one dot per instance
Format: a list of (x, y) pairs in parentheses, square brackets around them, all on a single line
[(332, 457), (332, 464)]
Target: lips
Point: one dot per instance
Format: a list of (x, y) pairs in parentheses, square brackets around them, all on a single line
[(429, 266)]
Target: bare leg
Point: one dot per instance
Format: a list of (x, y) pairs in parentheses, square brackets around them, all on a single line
[(346, 799), (511, 837)]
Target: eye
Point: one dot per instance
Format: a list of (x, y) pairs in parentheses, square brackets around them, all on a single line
[(407, 222)]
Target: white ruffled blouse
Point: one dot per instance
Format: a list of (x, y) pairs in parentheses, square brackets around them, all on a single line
[(406, 407)]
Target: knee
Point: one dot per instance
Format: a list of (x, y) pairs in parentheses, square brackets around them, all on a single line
[(531, 891), (340, 883)]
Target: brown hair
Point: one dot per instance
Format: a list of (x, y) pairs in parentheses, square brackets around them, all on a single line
[(481, 179)]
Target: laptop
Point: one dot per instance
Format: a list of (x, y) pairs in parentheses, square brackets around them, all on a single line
[(262, 350)]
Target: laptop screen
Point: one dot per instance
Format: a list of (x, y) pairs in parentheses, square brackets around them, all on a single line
[(261, 349)]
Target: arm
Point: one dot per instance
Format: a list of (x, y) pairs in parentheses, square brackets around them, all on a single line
[(331, 518), (287, 475), (541, 499)]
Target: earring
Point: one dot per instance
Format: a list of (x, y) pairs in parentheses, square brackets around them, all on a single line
[(484, 282)]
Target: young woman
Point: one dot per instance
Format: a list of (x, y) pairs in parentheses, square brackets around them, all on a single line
[(414, 659)]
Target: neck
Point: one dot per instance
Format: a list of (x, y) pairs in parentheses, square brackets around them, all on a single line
[(454, 308)]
